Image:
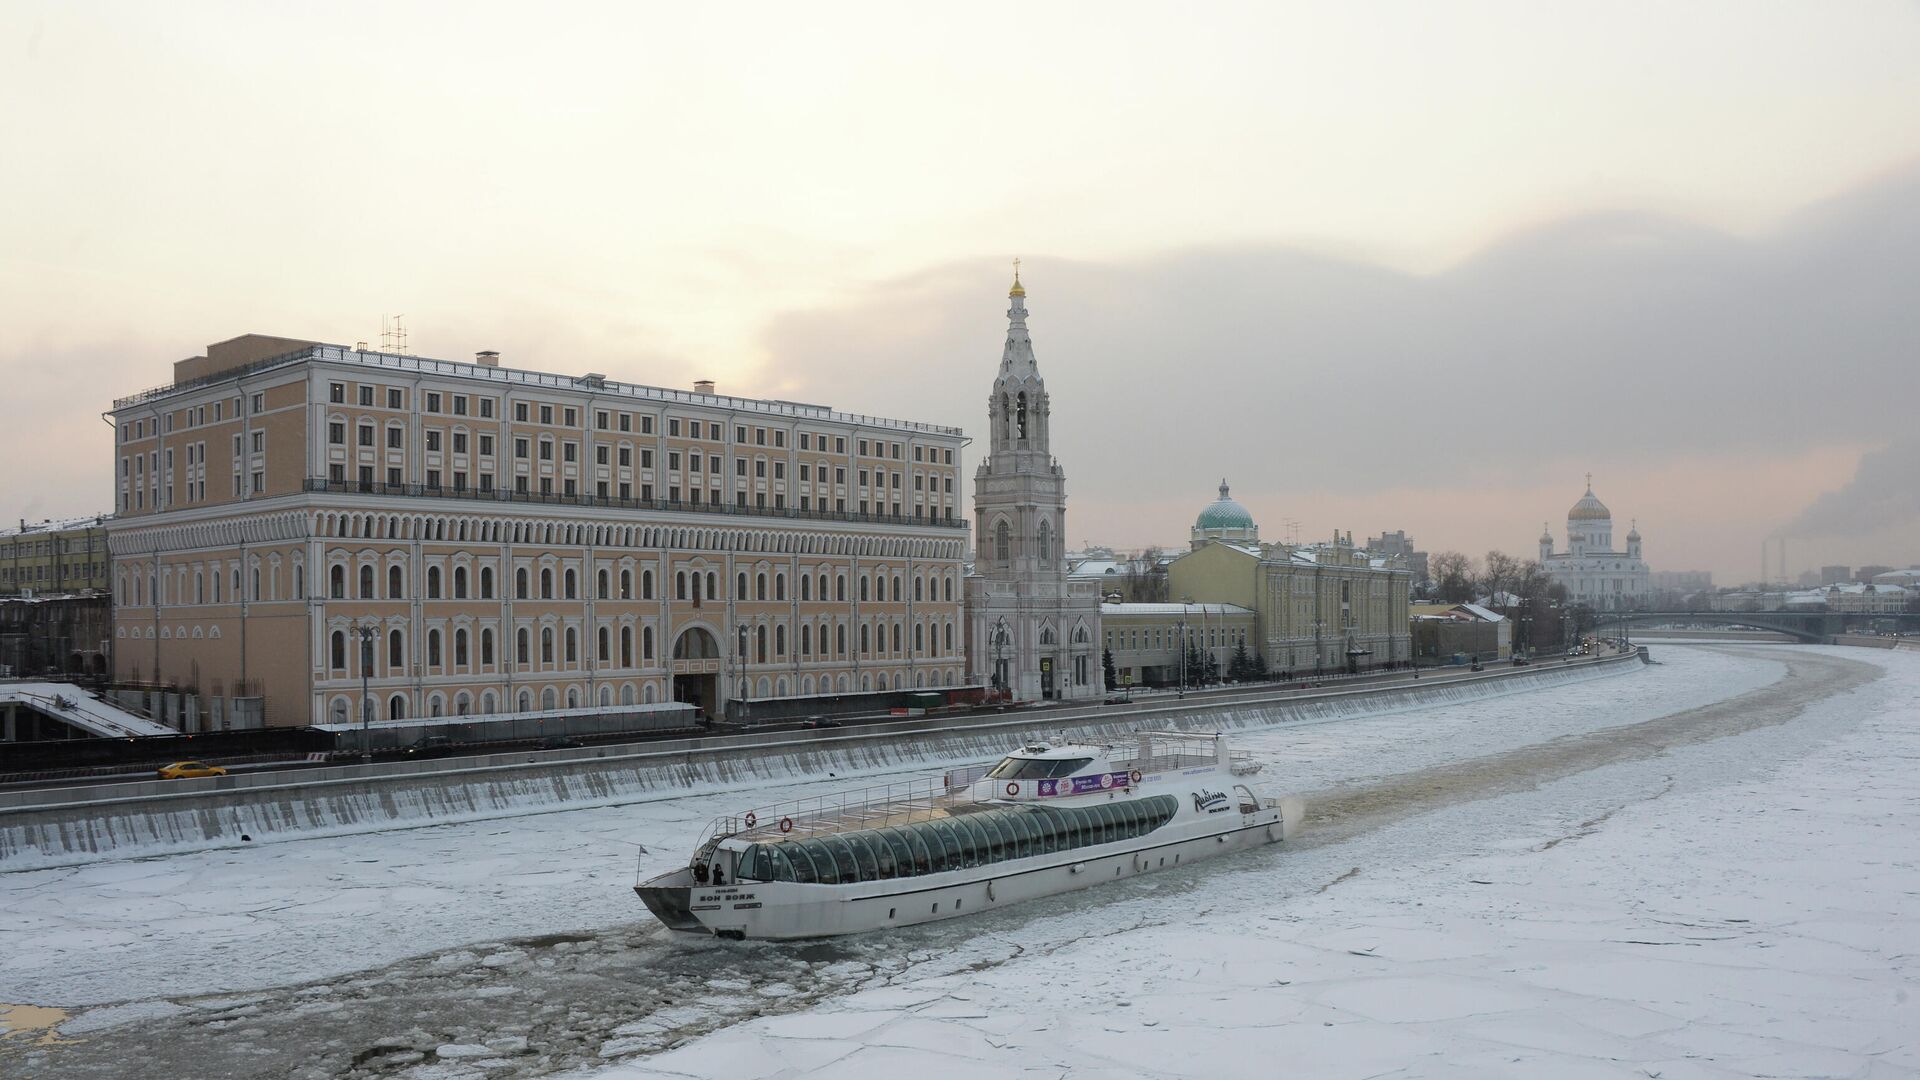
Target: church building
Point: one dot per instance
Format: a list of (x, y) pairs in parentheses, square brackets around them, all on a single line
[(1593, 571), (1032, 632)]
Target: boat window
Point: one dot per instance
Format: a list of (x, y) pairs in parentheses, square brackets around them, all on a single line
[(863, 860), (944, 841), (974, 844), (843, 859), (895, 859), (1016, 768), (801, 856), (997, 837), (1102, 815), (1022, 826), (778, 868), (748, 865), (917, 862)]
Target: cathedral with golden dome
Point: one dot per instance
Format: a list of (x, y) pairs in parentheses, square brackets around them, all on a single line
[(1594, 572)]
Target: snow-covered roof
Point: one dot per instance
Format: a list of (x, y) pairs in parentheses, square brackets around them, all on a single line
[(1096, 568), (1173, 609), (1486, 613), (57, 525)]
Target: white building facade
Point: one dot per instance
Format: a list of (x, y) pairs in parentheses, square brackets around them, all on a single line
[(1593, 571), (1032, 631)]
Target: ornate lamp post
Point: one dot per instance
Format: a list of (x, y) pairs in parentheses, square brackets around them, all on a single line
[(366, 632)]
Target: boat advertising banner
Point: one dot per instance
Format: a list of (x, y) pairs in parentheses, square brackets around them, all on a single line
[(1080, 785)]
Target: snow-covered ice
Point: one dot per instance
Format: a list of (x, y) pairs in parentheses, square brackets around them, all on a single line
[(1684, 913)]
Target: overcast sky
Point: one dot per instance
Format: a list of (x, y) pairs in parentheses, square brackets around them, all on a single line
[(1382, 266)]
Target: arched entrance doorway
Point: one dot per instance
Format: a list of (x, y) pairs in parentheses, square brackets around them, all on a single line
[(696, 670)]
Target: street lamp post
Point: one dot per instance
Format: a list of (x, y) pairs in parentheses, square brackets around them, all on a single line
[(366, 633), (741, 655)]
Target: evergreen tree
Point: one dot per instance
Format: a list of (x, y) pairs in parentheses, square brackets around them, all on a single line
[(1106, 668), (1240, 665)]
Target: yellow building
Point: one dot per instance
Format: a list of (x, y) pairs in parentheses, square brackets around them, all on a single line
[(1316, 607), (304, 528), (54, 557), (1145, 639)]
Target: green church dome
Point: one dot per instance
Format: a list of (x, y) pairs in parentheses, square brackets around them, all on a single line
[(1224, 513)]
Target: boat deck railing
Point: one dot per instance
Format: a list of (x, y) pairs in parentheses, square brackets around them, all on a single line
[(896, 803)]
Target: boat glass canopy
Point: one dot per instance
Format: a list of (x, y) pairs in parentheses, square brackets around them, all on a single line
[(955, 841)]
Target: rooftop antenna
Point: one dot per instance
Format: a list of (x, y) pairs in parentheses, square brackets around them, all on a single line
[(393, 334)]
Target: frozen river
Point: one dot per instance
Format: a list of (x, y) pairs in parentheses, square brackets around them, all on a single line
[(1645, 868)]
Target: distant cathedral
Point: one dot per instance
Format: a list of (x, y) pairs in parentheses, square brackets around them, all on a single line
[(1031, 631), (1593, 572)]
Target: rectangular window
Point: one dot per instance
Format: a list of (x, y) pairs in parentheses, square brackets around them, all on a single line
[(393, 438), (546, 414), (486, 408), (600, 455), (673, 426), (626, 421), (760, 468), (740, 434), (486, 444), (600, 420), (570, 451), (626, 455), (546, 449), (394, 400), (459, 481), (520, 411), (259, 482), (646, 425), (863, 448), (433, 441), (366, 434), (739, 466), (433, 402), (759, 436), (459, 442), (366, 395), (337, 434), (572, 417), (626, 490), (673, 461), (393, 477), (460, 405), (259, 403), (433, 478), (839, 445), (520, 448)]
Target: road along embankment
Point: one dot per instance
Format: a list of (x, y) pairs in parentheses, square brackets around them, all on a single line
[(69, 826)]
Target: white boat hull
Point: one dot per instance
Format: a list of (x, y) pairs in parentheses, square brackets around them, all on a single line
[(781, 910)]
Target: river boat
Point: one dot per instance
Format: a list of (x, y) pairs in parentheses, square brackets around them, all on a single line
[(1046, 819)]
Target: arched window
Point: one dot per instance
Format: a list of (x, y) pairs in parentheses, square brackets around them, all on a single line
[(573, 646), (546, 583), (680, 585), (337, 649), (780, 640), (947, 589), (865, 641), (606, 645), (646, 643), (919, 638), (779, 586), (486, 583), (896, 637), (571, 582), (626, 646), (520, 583), (806, 587), (459, 583), (546, 644), (397, 707), (760, 586), (521, 647), (433, 648), (460, 648), (646, 584), (433, 583), (760, 644), (740, 587), (396, 653), (863, 587), (839, 587), (713, 586), (299, 582), (366, 582), (1002, 542), (605, 584), (1046, 544), (840, 641), (486, 646), (394, 583), (337, 582), (918, 585)]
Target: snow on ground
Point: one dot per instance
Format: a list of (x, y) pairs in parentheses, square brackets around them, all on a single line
[(1738, 907), (309, 909)]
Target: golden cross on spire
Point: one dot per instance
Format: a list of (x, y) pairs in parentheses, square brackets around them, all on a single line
[(1589, 475)]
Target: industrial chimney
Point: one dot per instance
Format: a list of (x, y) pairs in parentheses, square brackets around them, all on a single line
[(703, 386)]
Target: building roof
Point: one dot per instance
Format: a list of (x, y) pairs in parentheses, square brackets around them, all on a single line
[(1173, 609), (1224, 513), (1589, 508), (53, 525)]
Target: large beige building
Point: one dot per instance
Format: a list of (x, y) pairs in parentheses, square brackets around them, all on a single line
[(54, 557), (496, 540), (1316, 607)]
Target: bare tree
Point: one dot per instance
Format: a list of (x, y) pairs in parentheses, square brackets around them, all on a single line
[(1452, 575), (1498, 577)]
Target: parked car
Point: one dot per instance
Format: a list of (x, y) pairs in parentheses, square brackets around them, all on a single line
[(819, 722), (1521, 661), (430, 746), (558, 742), (186, 770)]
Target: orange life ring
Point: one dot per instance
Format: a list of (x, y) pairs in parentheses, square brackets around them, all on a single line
[(1133, 777), (1013, 788), (752, 820), (786, 824)]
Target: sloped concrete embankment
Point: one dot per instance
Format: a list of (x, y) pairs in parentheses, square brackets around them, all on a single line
[(76, 826)]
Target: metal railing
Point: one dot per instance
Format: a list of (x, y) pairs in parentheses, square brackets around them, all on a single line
[(896, 803), (510, 495)]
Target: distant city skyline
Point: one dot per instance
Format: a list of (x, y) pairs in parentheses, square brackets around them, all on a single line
[(1420, 279)]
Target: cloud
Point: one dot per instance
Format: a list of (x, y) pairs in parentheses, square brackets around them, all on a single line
[(1616, 342), (1884, 494)]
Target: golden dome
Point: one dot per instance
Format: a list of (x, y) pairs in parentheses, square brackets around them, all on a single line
[(1589, 509), (1018, 289)]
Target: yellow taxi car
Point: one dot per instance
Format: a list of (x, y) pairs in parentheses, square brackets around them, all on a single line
[(182, 770)]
